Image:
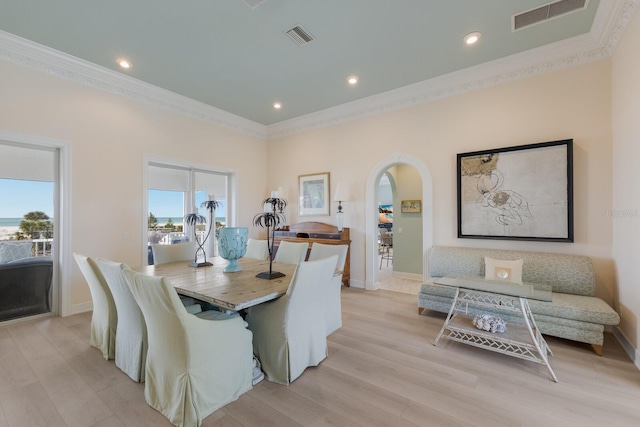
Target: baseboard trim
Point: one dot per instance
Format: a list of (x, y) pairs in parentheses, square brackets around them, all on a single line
[(631, 351), (80, 308), (408, 276), (356, 284)]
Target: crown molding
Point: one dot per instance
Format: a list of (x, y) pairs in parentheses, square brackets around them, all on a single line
[(32, 55), (609, 24)]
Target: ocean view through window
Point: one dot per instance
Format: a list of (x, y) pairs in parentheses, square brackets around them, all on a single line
[(174, 191), (28, 180), (19, 198)]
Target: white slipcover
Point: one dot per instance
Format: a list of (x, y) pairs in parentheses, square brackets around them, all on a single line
[(194, 366), (289, 333), (291, 252), (104, 319), (332, 302), (257, 249), (163, 254), (131, 332)]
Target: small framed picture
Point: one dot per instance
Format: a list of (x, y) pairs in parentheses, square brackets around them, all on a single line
[(411, 206), (314, 194)]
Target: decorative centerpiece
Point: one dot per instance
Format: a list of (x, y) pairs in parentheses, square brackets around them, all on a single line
[(489, 323), (193, 219), (271, 218), (232, 245)]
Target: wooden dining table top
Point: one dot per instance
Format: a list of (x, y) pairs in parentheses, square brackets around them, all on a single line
[(233, 291)]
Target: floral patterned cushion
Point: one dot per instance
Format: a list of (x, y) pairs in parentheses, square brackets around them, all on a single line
[(577, 307), (12, 251), (566, 273)]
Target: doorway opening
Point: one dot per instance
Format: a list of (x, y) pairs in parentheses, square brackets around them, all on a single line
[(33, 172), (414, 250)]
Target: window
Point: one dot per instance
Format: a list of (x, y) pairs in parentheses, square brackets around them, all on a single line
[(174, 191)]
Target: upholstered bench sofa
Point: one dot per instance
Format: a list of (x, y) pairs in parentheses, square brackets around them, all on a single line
[(574, 312)]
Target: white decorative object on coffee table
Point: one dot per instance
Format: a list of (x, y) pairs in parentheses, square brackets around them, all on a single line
[(473, 294), (489, 323)]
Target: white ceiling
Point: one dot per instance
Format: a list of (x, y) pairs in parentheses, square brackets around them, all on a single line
[(235, 58)]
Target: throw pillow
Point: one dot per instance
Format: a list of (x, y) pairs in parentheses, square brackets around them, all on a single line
[(12, 251), (498, 269)]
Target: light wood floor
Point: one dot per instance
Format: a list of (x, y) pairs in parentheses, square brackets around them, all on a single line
[(382, 370)]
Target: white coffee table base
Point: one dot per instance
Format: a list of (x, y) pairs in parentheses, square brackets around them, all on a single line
[(522, 341)]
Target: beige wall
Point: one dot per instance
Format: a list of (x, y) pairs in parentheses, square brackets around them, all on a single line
[(109, 135), (573, 103), (626, 181), (407, 227)]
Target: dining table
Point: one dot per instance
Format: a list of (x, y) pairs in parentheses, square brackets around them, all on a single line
[(230, 291)]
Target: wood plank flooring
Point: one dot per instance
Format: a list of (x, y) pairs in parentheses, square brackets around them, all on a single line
[(382, 370)]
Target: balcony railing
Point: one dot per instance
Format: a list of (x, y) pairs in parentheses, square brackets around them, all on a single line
[(42, 247)]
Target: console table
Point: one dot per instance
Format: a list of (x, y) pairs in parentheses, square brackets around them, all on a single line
[(320, 232), (476, 294)]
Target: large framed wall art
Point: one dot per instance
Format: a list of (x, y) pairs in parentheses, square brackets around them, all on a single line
[(314, 194), (517, 193)]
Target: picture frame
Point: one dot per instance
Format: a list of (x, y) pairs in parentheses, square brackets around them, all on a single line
[(313, 194), (411, 206), (517, 193)]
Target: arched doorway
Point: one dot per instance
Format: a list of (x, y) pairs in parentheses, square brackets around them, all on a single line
[(371, 250)]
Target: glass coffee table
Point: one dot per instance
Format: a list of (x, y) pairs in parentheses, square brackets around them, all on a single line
[(475, 295)]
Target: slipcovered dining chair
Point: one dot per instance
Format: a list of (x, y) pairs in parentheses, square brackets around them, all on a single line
[(131, 332), (163, 254), (195, 364), (291, 252), (289, 334), (331, 290), (104, 319), (257, 249)]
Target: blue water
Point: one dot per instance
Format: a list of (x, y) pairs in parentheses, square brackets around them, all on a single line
[(177, 220), (10, 222)]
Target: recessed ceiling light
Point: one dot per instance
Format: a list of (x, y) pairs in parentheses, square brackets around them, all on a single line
[(472, 38), (352, 80), (277, 105), (123, 63)]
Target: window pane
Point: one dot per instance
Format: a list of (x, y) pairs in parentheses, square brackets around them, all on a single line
[(209, 184), (31, 198), (174, 191), (165, 217)]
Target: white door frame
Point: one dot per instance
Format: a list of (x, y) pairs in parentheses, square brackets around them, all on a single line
[(61, 286), (371, 213)]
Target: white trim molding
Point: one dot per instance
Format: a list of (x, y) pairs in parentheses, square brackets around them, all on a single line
[(627, 345), (610, 22), (62, 215), (371, 217), (50, 61), (612, 18)]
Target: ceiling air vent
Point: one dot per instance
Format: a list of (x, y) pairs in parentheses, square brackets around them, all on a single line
[(299, 35), (546, 12), (253, 3)]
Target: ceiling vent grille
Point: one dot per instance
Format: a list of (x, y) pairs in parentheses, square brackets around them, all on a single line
[(547, 12), (299, 35), (253, 3)]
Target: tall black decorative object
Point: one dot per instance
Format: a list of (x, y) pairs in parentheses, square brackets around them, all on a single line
[(271, 218), (195, 218)]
